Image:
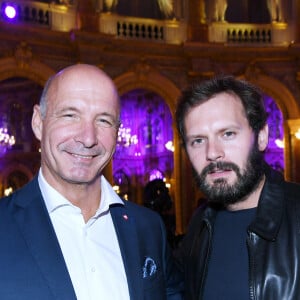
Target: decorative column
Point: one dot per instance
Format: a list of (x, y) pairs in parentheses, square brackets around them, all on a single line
[(87, 16), (295, 18), (197, 22), (293, 159)]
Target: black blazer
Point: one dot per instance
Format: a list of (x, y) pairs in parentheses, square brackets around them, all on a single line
[(32, 265)]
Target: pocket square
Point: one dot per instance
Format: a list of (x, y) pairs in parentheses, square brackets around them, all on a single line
[(149, 268)]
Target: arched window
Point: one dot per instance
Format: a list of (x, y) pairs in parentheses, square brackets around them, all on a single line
[(274, 153), (145, 138)]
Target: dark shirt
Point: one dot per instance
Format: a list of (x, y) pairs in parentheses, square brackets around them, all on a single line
[(228, 267)]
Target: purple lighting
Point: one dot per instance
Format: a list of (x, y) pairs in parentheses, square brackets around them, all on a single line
[(10, 12), (274, 154), (145, 142)]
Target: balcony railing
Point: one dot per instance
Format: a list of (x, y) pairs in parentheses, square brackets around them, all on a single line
[(52, 16), (29, 12), (168, 31), (256, 34), (64, 18)]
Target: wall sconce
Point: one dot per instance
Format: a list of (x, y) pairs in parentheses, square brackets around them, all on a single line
[(294, 127), (297, 134)]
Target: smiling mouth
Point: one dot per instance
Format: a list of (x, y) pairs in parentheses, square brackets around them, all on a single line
[(83, 156)]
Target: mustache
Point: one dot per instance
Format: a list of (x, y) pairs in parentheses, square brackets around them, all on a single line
[(220, 166)]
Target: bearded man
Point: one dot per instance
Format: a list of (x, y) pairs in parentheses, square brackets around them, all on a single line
[(245, 244)]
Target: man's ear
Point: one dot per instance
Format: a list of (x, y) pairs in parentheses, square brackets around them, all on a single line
[(263, 138), (36, 122)]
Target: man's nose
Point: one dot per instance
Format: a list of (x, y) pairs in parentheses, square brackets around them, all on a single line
[(215, 151), (87, 134)]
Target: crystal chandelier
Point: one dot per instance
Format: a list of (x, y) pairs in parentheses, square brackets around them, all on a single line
[(125, 138), (6, 140)]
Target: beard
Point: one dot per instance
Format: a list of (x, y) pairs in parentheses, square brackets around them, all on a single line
[(220, 191)]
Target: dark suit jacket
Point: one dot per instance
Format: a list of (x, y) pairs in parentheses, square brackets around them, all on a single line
[(32, 266)]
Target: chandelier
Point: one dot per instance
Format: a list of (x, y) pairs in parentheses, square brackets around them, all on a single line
[(125, 138), (6, 140)]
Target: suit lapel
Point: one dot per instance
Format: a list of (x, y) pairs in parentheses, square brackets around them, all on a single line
[(35, 225), (128, 241)]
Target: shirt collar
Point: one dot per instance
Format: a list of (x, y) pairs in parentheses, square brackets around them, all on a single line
[(54, 200)]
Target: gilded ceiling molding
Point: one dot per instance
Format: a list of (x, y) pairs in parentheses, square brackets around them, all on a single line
[(144, 76), (23, 55), (274, 88), (141, 69), (25, 66), (252, 72)]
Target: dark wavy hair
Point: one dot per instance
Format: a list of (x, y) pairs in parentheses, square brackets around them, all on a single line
[(200, 92)]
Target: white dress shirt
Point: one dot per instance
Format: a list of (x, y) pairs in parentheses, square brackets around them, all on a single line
[(91, 250)]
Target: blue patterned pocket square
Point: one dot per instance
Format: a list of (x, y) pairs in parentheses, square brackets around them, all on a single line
[(149, 268)]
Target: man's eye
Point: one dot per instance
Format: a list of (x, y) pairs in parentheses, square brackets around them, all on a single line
[(69, 116), (229, 134), (105, 122), (197, 142)]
